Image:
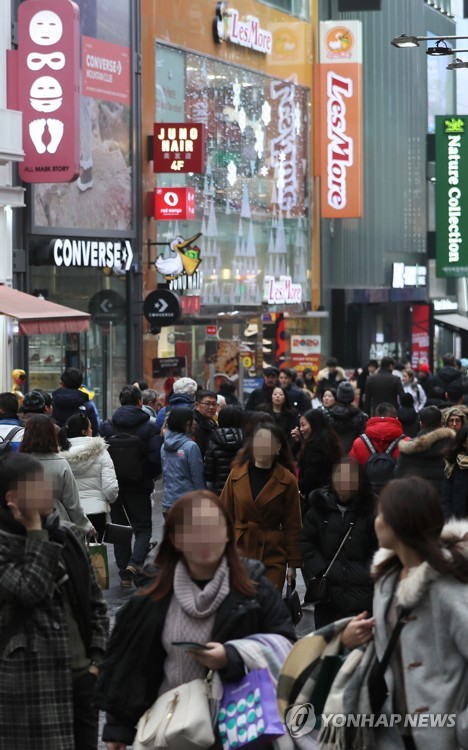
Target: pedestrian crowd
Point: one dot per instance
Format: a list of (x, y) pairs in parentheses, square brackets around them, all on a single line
[(358, 484)]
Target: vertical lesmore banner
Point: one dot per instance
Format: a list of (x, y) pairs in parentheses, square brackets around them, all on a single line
[(341, 119), (49, 89), (451, 196)]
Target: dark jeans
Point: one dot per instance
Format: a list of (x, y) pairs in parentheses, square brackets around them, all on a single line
[(138, 507), (85, 716), (99, 522)]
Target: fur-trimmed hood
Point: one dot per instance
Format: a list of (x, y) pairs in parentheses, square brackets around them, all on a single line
[(84, 449), (426, 440), (325, 374), (411, 589)]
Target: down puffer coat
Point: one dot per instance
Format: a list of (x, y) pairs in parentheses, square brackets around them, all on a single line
[(94, 473), (325, 525), (222, 448)]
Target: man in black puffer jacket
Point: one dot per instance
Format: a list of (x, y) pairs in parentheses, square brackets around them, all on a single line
[(222, 448), (134, 494)]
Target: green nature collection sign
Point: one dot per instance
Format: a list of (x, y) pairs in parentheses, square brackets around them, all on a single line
[(451, 196)]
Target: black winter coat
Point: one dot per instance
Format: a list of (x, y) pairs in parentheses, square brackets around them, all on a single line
[(203, 430), (134, 420), (383, 387), (315, 468), (221, 451), (348, 423), (424, 456), (323, 531), (67, 401), (455, 494), (133, 668), (409, 419)]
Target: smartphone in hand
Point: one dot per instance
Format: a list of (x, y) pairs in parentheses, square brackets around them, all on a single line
[(190, 645)]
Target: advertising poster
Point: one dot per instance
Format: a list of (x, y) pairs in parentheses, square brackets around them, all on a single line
[(341, 119), (305, 352), (420, 335), (101, 197)]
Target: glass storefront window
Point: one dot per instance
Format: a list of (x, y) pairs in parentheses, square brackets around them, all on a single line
[(252, 201)]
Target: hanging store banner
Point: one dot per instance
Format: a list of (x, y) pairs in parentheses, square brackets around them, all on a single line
[(451, 196), (48, 68), (420, 335), (178, 147), (340, 142)]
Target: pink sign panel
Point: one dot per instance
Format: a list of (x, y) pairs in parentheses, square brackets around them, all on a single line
[(106, 71), (49, 89)]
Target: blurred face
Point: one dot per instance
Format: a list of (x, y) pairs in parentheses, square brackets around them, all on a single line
[(385, 534), (346, 480), (328, 399), (455, 423), (265, 446), (305, 428), (277, 397), (203, 537), (32, 494), (405, 378), (372, 369), (284, 380)]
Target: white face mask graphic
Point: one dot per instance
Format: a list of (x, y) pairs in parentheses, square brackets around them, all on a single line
[(46, 94), (45, 28), (53, 60)]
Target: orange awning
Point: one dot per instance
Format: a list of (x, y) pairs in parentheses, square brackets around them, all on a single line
[(38, 316)]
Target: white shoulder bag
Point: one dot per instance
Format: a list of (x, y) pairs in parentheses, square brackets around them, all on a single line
[(180, 719)]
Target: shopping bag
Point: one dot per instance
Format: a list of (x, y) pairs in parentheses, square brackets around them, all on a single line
[(99, 561), (248, 714)]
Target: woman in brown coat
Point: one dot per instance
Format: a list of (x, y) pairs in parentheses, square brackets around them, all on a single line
[(262, 497)]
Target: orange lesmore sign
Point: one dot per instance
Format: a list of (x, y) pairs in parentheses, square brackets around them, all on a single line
[(341, 119)]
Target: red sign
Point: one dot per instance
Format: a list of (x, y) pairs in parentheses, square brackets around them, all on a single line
[(49, 89), (211, 330), (179, 147), (420, 336), (106, 71), (190, 304), (174, 203)]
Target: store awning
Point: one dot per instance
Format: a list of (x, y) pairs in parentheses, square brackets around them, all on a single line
[(38, 316), (453, 319)]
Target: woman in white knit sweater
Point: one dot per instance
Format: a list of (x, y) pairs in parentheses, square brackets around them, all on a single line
[(92, 468)]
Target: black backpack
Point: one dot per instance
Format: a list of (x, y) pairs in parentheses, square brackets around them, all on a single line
[(128, 455), (5, 444), (380, 466)]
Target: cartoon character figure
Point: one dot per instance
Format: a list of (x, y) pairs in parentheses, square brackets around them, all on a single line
[(183, 258), (18, 378)]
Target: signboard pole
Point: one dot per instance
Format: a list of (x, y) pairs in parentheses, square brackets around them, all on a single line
[(111, 358), (105, 379)]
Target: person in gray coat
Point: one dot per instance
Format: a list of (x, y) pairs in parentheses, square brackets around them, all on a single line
[(40, 440), (181, 458), (421, 575)]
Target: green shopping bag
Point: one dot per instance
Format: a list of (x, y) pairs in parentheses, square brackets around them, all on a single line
[(100, 563)]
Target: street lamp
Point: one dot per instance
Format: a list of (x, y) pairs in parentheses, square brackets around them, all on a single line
[(457, 63), (404, 41)]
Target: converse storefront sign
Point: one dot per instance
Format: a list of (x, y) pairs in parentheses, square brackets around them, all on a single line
[(115, 254)]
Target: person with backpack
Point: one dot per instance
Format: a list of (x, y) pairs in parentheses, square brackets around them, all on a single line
[(342, 514), (377, 448), (67, 399), (181, 458), (134, 446), (11, 427)]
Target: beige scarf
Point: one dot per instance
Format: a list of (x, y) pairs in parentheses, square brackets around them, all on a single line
[(461, 461)]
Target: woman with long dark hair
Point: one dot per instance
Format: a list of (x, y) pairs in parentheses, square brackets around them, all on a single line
[(40, 440), (283, 412), (317, 450), (202, 593), (421, 577), (262, 497), (343, 512)]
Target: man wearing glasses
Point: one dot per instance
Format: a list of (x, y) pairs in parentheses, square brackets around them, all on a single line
[(203, 415)]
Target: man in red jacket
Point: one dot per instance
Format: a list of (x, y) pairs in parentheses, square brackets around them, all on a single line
[(381, 430)]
